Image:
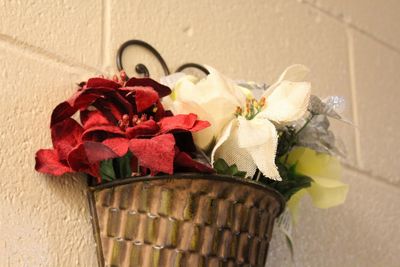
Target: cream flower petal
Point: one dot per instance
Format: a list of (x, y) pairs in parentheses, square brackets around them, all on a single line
[(172, 79), (225, 134), (227, 148), (260, 138), (204, 138), (215, 94), (218, 82), (288, 102), (212, 94), (294, 73), (246, 92), (185, 89), (213, 87)]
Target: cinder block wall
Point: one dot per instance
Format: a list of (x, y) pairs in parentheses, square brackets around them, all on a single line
[(352, 48)]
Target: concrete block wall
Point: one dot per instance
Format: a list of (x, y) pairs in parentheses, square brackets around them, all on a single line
[(352, 48)]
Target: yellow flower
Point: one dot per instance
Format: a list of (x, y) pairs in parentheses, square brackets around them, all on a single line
[(326, 190)]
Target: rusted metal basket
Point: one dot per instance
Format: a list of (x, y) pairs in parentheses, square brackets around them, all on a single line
[(183, 220)]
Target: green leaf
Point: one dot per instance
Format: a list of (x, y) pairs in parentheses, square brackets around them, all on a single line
[(241, 174), (291, 180), (290, 246), (232, 170), (287, 138), (222, 167), (122, 166), (285, 225), (107, 170)]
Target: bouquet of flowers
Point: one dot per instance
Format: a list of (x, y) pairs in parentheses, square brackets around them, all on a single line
[(275, 135), (124, 130)]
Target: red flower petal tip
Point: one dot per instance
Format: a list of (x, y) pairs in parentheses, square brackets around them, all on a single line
[(157, 153)]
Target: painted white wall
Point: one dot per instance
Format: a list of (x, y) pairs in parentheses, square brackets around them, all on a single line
[(352, 48)]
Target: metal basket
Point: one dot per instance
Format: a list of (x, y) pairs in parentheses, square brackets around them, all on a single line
[(183, 220)]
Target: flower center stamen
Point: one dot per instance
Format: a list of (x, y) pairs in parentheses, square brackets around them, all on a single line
[(123, 123), (253, 107)]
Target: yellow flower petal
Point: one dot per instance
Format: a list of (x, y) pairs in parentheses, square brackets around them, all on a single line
[(293, 204), (326, 193), (314, 164), (326, 190)]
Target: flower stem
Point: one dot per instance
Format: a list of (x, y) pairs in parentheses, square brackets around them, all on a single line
[(294, 139), (305, 125)]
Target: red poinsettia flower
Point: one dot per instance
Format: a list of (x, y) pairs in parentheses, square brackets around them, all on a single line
[(118, 117), (70, 154), (153, 143), (113, 98)]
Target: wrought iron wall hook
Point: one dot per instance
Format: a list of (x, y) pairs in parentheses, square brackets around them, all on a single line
[(192, 65), (141, 69)]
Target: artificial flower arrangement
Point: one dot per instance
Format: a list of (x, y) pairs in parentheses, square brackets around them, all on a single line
[(138, 127)]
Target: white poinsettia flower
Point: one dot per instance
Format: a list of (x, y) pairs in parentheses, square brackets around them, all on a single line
[(251, 140), (243, 128), (213, 98)]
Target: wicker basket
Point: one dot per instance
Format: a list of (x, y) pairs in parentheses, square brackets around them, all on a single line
[(183, 220)]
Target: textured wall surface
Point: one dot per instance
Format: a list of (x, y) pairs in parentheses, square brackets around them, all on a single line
[(352, 48)]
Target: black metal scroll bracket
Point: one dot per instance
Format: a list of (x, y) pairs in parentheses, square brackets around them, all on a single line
[(142, 70)]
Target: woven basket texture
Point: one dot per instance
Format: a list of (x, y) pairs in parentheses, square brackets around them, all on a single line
[(184, 222)]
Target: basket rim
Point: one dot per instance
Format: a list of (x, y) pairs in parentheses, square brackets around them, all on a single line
[(226, 178)]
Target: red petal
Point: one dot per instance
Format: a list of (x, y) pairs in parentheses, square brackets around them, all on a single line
[(88, 96), (118, 145), (200, 125), (135, 165), (111, 112), (47, 161), (146, 128), (65, 136), (184, 161), (160, 113), (80, 100), (102, 132), (145, 97), (94, 170), (101, 82), (178, 122), (120, 102), (182, 122), (61, 112), (93, 118), (184, 141), (68, 108), (162, 90), (96, 152), (157, 153), (78, 161)]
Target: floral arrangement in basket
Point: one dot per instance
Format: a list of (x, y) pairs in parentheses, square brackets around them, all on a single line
[(277, 135)]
